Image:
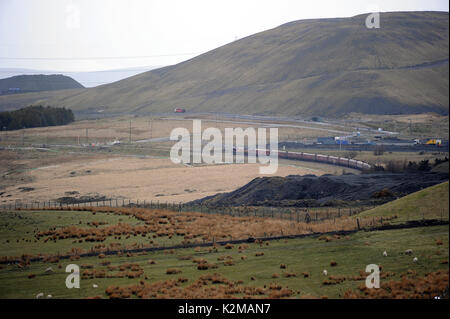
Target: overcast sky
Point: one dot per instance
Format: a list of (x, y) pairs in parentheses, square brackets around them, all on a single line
[(87, 35)]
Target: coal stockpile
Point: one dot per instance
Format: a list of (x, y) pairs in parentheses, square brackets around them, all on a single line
[(325, 190)]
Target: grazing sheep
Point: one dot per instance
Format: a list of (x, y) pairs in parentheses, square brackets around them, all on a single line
[(49, 296), (325, 272), (415, 259), (49, 270), (385, 253), (94, 286), (40, 295), (408, 251)]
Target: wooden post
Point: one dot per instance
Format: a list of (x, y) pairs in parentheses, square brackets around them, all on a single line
[(357, 221)]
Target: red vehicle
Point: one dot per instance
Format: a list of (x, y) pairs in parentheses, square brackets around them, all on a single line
[(179, 110)]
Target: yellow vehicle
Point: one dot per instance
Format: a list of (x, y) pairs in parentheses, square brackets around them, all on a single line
[(433, 142)]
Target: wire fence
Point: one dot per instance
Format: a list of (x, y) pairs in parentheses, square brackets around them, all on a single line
[(299, 214), (311, 220)]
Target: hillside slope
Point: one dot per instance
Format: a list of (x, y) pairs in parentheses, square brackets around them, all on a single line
[(38, 82), (429, 203), (306, 67)]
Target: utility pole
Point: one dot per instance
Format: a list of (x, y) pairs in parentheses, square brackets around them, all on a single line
[(150, 124), (130, 132)]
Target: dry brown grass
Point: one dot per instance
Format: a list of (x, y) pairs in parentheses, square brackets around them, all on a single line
[(207, 286), (198, 227), (117, 177), (173, 271), (192, 227), (410, 286)]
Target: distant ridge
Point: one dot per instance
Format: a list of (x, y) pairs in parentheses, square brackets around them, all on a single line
[(325, 67), (37, 83)]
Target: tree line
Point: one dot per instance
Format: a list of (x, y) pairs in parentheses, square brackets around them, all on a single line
[(35, 116)]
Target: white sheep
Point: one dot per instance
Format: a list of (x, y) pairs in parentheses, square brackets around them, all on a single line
[(49, 296), (39, 295), (325, 272), (415, 259), (385, 253), (94, 286), (48, 270), (408, 251)]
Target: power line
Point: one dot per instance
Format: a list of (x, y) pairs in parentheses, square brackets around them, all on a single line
[(100, 58), (102, 71)]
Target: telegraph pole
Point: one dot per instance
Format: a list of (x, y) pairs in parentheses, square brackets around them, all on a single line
[(150, 124), (130, 132)]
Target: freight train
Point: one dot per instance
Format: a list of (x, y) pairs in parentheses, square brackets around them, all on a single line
[(326, 159)]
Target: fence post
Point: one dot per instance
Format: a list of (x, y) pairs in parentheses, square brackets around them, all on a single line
[(357, 221)]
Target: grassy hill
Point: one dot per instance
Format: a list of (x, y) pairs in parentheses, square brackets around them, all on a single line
[(429, 203), (39, 82), (306, 67)]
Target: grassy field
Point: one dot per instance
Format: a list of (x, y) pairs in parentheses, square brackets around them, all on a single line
[(429, 203), (309, 255), (56, 232), (288, 268)]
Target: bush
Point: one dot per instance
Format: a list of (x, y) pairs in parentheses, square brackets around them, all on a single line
[(172, 271)]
